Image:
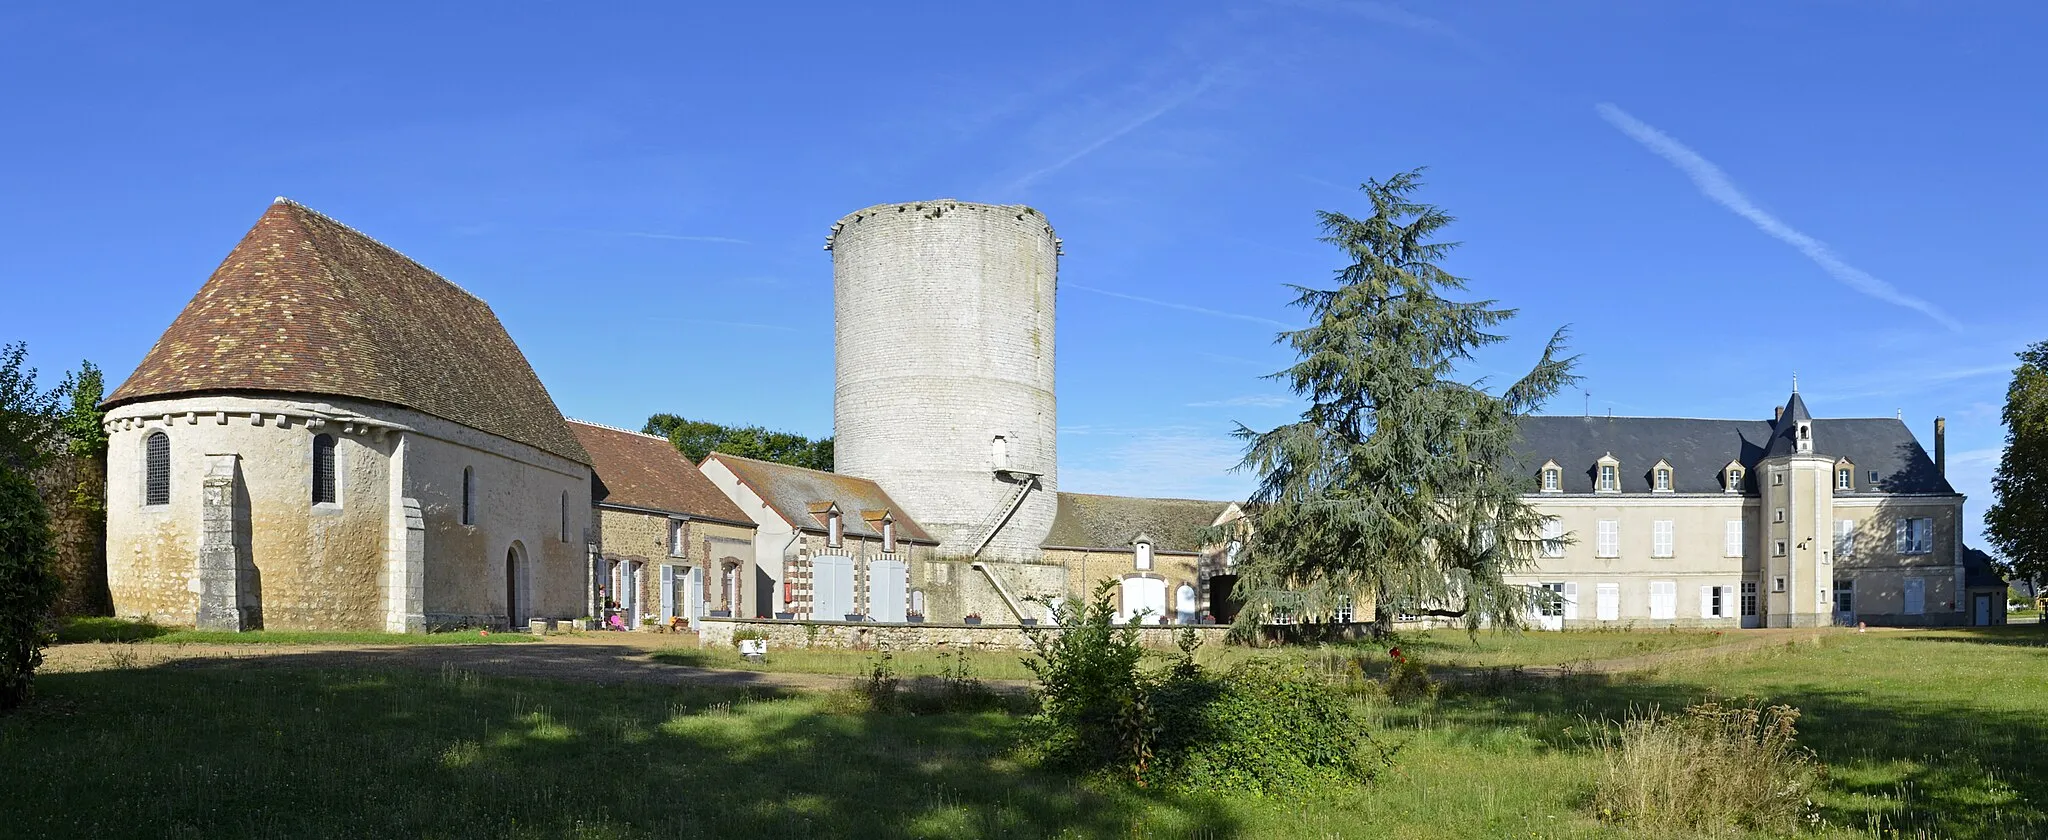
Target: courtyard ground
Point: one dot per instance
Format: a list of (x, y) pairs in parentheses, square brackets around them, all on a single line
[(1928, 734)]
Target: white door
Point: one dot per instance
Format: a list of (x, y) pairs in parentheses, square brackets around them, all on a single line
[(1749, 605), (1916, 596), (1983, 616), (631, 602), (1144, 600), (1548, 611), (1663, 599), (831, 587), (887, 580), (1607, 604), (1184, 605)]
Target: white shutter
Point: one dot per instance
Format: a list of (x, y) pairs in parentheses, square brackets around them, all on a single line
[(1660, 538), (1845, 538), (1706, 602), (1610, 538), (1916, 596), (1608, 603), (1734, 547), (668, 592), (1553, 537), (1663, 599), (887, 580), (1899, 534), (1571, 601)]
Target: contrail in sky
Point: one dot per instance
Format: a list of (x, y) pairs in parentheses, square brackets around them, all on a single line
[(1715, 184), (1183, 307)]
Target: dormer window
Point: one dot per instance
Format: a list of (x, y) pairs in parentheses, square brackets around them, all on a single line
[(1141, 550), (1553, 477), (1845, 476), (1735, 474), (1660, 477), (888, 535), (835, 529), (1607, 478)]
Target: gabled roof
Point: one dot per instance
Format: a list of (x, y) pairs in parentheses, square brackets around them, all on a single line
[(644, 471), (307, 305), (1699, 449), (1979, 572), (1085, 520), (800, 496)]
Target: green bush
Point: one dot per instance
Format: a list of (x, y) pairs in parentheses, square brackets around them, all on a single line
[(1264, 726), (28, 585), (1713, 769), (103, 629)]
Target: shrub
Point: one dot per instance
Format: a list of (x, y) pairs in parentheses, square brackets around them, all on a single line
[(28, 585), (1713, 769), (956, 690), (1264, 726)]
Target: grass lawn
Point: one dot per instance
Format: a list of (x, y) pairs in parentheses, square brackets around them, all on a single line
[(76, 630), (1449, 648), (1930, 734)]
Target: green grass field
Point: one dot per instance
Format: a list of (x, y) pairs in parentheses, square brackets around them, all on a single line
[(1932, 734), (122, 630)]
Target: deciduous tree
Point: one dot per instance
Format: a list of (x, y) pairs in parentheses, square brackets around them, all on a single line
[(2017, 521)]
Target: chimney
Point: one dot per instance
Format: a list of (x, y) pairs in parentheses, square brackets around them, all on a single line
[(1941, 446), (1777, 414)]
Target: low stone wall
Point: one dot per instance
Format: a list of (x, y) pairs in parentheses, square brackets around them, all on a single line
[(866, 635)]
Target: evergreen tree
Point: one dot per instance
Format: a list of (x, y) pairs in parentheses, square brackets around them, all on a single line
[(2017, 522), (1400, 482)]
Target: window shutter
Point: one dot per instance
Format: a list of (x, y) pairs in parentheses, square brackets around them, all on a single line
[(1571, 601), (668, 592), (1901, 536), (1706, 602), (1660, 538), (1610, 538), (1734, 547)]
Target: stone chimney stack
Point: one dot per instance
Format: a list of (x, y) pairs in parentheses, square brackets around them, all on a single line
[(1941, 446), (1777, 414)]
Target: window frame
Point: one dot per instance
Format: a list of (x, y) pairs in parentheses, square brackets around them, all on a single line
[(469, 496), (888, 535), (1749, 599), (1553, 480), (675, 538), (152, 471), (1607, 478), (332, 486), (1845, 478), (1907, 544), (1660, 480), (835, 529), (1734, 476)]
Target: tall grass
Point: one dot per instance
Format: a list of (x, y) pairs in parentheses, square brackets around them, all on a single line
[(1714, 769)]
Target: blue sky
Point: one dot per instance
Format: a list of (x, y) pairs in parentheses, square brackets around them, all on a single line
[(1712, 199)]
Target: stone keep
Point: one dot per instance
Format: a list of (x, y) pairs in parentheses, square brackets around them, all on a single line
[(943, 331)]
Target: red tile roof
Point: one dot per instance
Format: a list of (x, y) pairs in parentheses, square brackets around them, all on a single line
[(307, 305), (644, 471)]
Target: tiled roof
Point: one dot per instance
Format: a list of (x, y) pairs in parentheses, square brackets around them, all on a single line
[(307, 305), (645, 471), (1698, 449), (801, 495), (1089, 521)]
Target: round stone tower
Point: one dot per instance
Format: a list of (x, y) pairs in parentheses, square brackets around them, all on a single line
[(943, 331)]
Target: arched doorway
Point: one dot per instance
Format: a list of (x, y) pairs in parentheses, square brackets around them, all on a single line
[(1221, 603), (518, 598)]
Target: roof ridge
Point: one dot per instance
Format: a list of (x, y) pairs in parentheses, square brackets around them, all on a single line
[(1671, 417), (613, 428), (1150, 498), (288, 202), (708, 455)]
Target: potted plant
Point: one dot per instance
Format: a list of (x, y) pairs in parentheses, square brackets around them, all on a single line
[(855, 617), (973, 618), (721, 613), (785, 616), (914, 618)]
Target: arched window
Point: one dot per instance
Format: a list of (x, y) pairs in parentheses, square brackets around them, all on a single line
[(917, 602), (888, 536), (323, 470), (468, 496), (156, 469), (1143, 552)]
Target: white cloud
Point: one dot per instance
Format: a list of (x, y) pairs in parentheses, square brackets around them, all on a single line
[(1715, 185), (1248, 400), (1182, 306)]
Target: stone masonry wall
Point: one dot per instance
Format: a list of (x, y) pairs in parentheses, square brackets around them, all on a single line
[(797, 635), (943, 332)]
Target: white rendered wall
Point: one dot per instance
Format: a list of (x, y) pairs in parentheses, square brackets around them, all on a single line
[(331, 567), (943, 332)]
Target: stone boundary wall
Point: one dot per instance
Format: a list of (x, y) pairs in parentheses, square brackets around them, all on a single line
[(864, 635)]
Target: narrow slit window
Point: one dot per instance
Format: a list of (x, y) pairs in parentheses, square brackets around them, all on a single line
[(468, 495), (156, 483), (323, 470)]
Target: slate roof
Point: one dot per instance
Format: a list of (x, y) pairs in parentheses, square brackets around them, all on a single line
[(1978, 573), (1085, 520), (307, 305), (1698, 449), (794, 491), (1784, 433), (644, 471)]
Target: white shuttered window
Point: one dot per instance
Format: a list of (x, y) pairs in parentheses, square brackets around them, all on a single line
[(1734, 546), (1610, 538), (1553, 538), (1660, 538)]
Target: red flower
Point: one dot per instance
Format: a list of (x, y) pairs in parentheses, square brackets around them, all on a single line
[(1395, 653)]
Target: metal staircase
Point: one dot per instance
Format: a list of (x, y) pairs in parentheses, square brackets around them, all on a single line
[(986, 531)]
